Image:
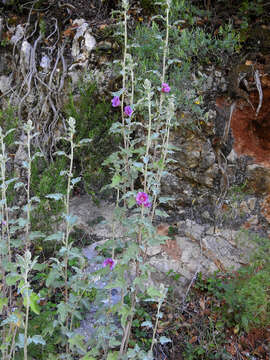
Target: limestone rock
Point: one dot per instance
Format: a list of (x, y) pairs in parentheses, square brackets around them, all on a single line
[(19, 34), (83, 43), (258, 179), (25, 56), (5, 83)]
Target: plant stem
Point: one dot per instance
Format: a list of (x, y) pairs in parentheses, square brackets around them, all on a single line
[(68, 227), (148, 145), (29, 128)]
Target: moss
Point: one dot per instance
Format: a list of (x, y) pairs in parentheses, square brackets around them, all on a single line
[(94, 117), (46, 179), (8, 121)]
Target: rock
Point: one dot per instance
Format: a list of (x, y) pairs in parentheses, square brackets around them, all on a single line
[(265, 208), (253, 220), (5, 83), (244, 207), (232, 157), (21, 154), (90, 42), (83, 43), (251, 203), (104, 45), (45, 62), (192, 230), (19, 34), (25, 56), (195, 159), (258, 179), (95, 219)]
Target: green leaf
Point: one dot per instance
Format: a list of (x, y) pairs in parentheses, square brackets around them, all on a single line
[(76, 180), (161, 213), (77, 341), (22, 222), (36, 339), (62, 310), (113, 342), (88, 357), (153, 292), (35, 198), (118, 93), (11, 279), (56, 196), (124, 311), (70, 219), (60, 153), (20, 342), (164, 340), (85, 141), (113, 355), (33, 299), (57, 236), (116, 180), (3, 302), (147, 324), (36, 235), (52, 277), (37, 154)]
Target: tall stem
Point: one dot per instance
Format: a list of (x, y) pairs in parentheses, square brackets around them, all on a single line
[(29, 160), (71, 156), (26, 314), (148, 139)]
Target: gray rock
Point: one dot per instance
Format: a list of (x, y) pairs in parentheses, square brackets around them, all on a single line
[(5, 83), (45, 62), (232, 157), (252, 203), (19, 34), (244, 207), (83, 43), (25, 56)]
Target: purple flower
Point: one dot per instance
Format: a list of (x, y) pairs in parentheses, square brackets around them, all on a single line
[(116, 101), (110, 262), (165, 88), (128, 111), (143, 199), (4, 222)]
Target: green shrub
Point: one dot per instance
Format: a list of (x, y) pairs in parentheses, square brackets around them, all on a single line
[(244, 293), (94, 117)]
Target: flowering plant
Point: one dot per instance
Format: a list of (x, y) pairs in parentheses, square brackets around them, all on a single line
[(143, 199), (128, 111), (165, 88), (109, 262), (116, 101)]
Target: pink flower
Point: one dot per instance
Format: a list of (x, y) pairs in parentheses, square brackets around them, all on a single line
[(109, 262), (165, 88), (116, 101), (143, 199), (128, 111), (147, 204)]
